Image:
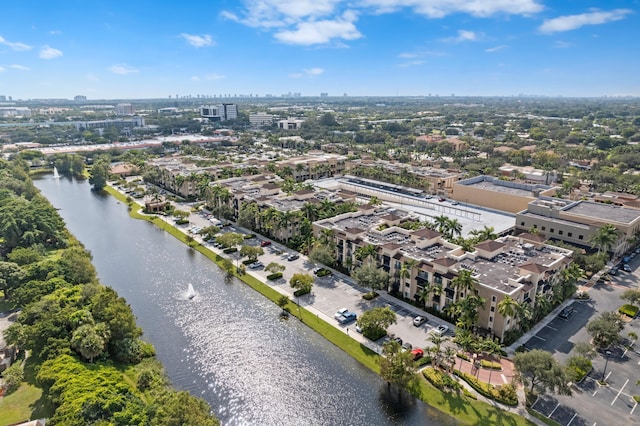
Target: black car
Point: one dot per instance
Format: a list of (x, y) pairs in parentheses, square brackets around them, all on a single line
[(293, 256), (566, 312)]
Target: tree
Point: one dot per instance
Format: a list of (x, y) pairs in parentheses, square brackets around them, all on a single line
[(369, 276), (397, 366), (376, 321), (464, 282), (230, 239), (541, 371), (605, 238), (89, 340), (486, 233), (11, 276), (99, 174), (12, 377), (252, 252), (632, 296), (321, 254), (302, 282), (605, 329), (274, 267), (282, 302), (508, 306)]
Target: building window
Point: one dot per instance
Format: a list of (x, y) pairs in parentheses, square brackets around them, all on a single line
[(521, 223), (407, 285), (580, 237), (544, 228), (569, 234), (560, 231), (493, 309), (493, 298), (552, 230), (491, 319)]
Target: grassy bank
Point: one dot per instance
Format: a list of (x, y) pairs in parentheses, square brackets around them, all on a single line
[(466, 410)]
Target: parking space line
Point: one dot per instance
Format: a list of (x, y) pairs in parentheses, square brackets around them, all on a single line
[(619, 392), (596, 391), (633, 409), (574, 416), (554, 410), (554, 329), (538, 337)]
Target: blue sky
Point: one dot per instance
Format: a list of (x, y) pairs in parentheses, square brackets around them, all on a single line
[(143, 49)]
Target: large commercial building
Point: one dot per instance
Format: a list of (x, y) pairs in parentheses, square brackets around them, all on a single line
[(261, 119), (15, 112), (124, 109), (575, 222), (521, 267), (220, 112)]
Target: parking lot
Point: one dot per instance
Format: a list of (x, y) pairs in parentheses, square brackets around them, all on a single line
[(592, 403)]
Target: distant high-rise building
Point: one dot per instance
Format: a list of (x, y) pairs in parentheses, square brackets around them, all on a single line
[(220, 112), (10, 98), (80, 98), (3, 98), (124, 109), (324, 95)]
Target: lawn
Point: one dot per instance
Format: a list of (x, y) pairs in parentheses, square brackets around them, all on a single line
[(28, 401)]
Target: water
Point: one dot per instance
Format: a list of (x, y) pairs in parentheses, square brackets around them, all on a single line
[(56, 175), (222, 340)]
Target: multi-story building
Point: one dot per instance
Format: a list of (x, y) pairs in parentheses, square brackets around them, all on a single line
[(80, 98), (290, 123), (15, 112), (316, 165), (261, 119), (124, 109), (497, 194), (220, 112), (575, 222), (522, 267)]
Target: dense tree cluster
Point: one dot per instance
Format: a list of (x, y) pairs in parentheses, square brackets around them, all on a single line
[(77, 327)]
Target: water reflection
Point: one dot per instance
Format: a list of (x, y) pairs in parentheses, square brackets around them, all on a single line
[(227, 343)]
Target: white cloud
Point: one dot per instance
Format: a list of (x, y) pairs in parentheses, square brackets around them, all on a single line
[(1, 69), (92, 77), (321, 32), (47, 52), (195, 78), (55, 32), (17, 46), (309, 73), (19, 67), (411, 63), (198, 40), (496, 48), (279, 13), (122, 69), (573, 22), (464, 35), (559, 44), (214, 77), (442, 8)]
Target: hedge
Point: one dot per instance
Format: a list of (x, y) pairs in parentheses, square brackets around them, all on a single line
[(182, 221), (505, 394), (324, 273), (248, 261), (230, 250), (463, 356), (490, 365), (274, 276), (250, 236), (422, 361), (440, 380), (629, 310), (301, 292)]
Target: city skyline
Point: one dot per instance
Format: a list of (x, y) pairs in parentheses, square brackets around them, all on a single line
[(360, 47)]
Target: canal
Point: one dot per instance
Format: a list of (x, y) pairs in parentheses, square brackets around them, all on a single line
[(226, 344)]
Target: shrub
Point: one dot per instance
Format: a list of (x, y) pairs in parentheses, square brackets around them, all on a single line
[(324, 273), (301, 292), (506, 394), (374, 334), (440, 379), (13, 376), (250, 236), (629, 310), (463, 356), (423, 361), (636, 398), (370, 295), (182, 221), (490, 365), (230, 250), (248, 261), (274, 276), (577, 368)]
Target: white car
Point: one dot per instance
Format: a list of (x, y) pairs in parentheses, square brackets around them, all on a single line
[(256, 265), (440, 330), (340, 313)]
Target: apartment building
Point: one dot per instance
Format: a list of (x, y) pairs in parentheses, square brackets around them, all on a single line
[(522, 267), (316, 165), (575, 222), (220, 112), (261, 119)]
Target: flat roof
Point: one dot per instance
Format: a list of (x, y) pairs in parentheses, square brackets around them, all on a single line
[(605, 212), (556, 220)]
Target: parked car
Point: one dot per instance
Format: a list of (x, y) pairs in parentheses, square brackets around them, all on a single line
[(417, 353), (256, 265), (626, 267), (454, 203), (265, 243), (293, 256), (406, 346), (566, 312), (339, 312), (614, 271), (347, 317), (440, 330), (418, 321)]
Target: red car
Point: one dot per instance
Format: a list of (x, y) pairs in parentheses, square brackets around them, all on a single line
[(265, 243), (417, 353)]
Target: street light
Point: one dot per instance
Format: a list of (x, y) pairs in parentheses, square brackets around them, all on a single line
[(608, 354)]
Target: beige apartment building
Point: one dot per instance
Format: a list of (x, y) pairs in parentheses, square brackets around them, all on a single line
[(576, 221), (496, 194), (521, 267)]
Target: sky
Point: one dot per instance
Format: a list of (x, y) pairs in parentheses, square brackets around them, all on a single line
[(114, 49)]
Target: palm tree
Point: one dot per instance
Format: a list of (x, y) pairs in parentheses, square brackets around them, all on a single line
[(442, 224), (407, 267), (437, 342), (507, 307), (368, 251), (484, 234), (491, 348), (464, 282), (605, 238), (455, 228)]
